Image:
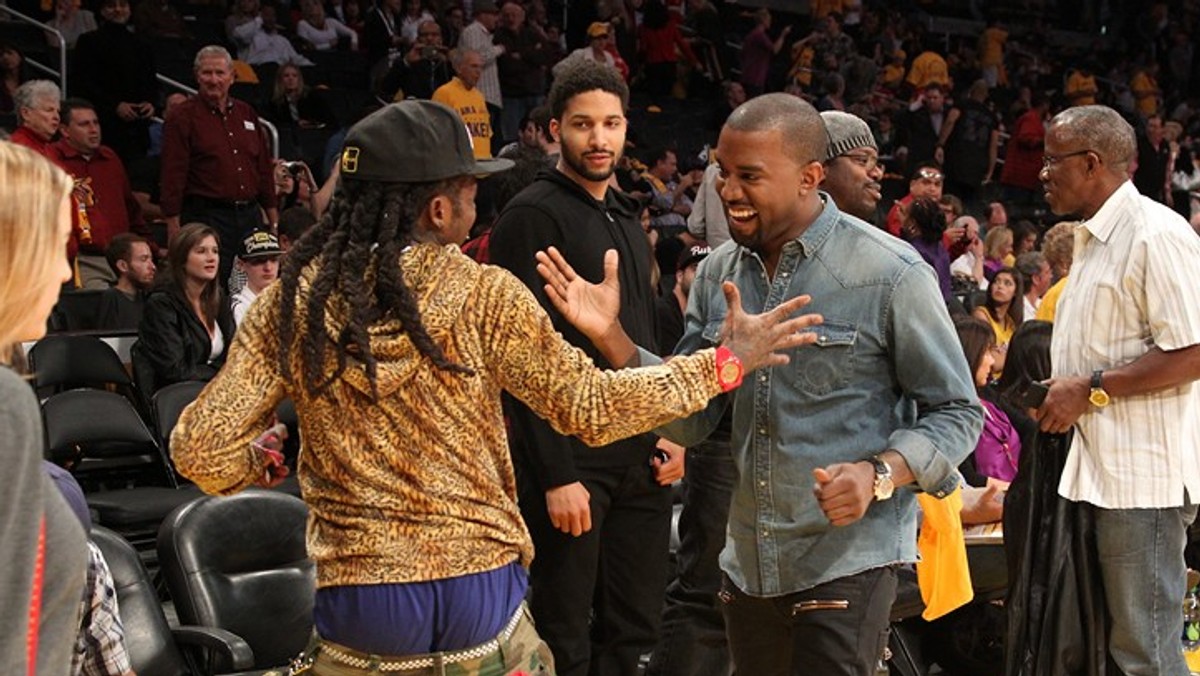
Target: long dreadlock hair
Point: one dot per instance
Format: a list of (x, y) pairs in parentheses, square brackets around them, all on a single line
[(366, 221)]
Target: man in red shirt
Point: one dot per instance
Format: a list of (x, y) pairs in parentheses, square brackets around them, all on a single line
[(102, 192), (216, 164), (36, 103)]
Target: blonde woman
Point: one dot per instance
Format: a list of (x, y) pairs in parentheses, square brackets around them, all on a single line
[(997, 246), (42, 550)]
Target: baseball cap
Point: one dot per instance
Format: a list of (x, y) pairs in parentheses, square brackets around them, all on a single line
[(597, 29), (413, 142), (259, 244), (693, 254)]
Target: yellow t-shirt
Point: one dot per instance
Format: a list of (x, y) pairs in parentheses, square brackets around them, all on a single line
[(927, 68), (991, 46), (1078, 82), (1147, 103), (823, 8), (472, 108), (1049, 304)]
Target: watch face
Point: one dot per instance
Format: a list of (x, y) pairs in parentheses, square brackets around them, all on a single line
[(883, 488), (1099, 398), (730, 371)]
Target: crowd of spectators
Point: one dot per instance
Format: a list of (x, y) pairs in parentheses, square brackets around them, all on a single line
[(183, 228)]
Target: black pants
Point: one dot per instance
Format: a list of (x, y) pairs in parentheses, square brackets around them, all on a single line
[(693, 639), (597, 598), (232, 223), (839, 628)]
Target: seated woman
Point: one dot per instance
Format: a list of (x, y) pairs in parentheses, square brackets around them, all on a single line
[(187, 324), (994, 460), (321, 32), (997, 247), (1003, 311), (294, 104)]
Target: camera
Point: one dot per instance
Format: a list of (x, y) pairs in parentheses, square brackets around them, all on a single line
[(294, 168), (429, 52)]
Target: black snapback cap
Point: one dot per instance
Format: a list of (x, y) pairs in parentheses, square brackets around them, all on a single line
[(413, 142)]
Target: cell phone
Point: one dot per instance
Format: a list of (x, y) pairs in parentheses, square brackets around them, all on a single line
[(1034, 395)]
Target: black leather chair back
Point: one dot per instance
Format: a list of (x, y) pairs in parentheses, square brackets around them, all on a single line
[(169, 402), (65, 362), (239, 563), (147, 634), (99, 433)]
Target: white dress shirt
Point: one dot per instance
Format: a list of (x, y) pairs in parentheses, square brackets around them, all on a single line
[(1134, 285)]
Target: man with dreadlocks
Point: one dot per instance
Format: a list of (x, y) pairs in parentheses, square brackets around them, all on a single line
[(395, 347)]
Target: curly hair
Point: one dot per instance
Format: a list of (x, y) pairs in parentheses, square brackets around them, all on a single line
[(583, 77), (367, 223)]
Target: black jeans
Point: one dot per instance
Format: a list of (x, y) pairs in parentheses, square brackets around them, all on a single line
[(597, 598), (693, 639), (839, 628)]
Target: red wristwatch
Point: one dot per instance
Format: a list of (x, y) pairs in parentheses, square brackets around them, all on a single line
[(729, 369)]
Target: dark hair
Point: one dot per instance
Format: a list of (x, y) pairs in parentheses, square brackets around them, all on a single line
[(1022, 229), (926, 213), (585, 76), (366, 222), (540, 116), (976, 338), (1016, 306), (659, 154), (294, 222), (72, 104), (177, 254), (120, 248), (1027, 361), (527, 162), (927, 164)]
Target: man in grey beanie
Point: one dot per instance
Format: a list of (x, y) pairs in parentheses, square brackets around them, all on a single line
[(852, 166)]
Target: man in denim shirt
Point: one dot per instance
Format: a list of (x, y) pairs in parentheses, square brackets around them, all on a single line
[(883, 398)]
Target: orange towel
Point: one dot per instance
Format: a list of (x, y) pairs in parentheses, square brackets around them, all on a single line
[(942, 572)]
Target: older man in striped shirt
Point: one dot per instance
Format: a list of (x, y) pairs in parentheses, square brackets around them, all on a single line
[(1126, 355)]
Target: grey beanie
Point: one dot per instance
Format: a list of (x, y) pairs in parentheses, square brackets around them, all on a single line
[(846, 132)]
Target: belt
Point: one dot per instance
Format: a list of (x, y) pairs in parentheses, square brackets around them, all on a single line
[(358, 660), (213, 203)]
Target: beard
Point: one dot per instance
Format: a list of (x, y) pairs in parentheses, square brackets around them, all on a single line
[(573, 158)]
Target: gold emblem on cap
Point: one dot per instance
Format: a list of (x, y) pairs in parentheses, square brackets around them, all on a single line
[(350, 160)]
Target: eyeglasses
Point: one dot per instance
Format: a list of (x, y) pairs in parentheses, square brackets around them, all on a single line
[(1051, 160), (863, 160), (930, 175)]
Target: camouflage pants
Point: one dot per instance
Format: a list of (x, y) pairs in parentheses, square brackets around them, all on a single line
[(523, 653)]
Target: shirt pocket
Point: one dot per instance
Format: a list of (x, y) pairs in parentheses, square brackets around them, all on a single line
[(826, 365)]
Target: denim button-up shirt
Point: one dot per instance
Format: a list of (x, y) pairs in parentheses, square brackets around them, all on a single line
[(886, 372)]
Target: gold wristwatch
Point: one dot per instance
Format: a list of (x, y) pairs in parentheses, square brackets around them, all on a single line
[(884, 486), (1099, 397)]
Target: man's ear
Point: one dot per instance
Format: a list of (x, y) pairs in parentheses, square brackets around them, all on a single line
[(439, 211), (122, 267), (811, 176), (555, 131)]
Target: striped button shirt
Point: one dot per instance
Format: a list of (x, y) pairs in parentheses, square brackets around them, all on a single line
[(476, 37), (1133, 286)]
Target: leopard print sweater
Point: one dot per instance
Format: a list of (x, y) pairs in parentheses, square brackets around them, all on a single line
[(419, 484)]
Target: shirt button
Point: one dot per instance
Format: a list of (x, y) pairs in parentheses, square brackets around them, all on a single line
[(762, 377), (762, 483), (766, 534), (762, 430), (235, 151), (822, 339)]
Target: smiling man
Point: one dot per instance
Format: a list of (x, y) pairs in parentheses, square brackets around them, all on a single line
[(600, 518), (852, 167), (815, 529)]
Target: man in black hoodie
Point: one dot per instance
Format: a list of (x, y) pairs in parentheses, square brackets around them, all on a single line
[(600, 518)]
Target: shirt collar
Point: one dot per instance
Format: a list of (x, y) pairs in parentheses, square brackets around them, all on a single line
[(1104, 222), (815, 234)]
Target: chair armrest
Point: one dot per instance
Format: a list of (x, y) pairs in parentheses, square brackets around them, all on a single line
[(229, 651)]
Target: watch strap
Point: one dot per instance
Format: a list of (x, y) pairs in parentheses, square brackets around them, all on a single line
[(729, 369)]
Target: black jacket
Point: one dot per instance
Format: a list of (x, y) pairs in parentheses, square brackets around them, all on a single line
[(556, 211), (173, 345)]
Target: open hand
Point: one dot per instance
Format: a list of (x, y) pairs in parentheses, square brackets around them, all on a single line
[(591, 308), (759, 339)]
